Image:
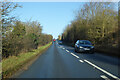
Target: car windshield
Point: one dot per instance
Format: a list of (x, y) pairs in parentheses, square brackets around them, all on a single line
[(85, 42)]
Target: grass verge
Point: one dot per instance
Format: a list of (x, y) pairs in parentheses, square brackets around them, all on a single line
[(15, 63)]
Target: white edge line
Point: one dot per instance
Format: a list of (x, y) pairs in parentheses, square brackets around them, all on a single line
[(102, 70)]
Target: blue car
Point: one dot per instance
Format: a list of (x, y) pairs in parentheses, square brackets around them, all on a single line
[(84, 46)]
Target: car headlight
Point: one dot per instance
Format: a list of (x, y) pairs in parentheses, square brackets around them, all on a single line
[(92, 46), (81, 47)]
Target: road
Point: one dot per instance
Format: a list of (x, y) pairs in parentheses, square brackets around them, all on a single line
[(60, 61)]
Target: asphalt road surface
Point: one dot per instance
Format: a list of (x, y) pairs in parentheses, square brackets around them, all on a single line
[(60, 61)]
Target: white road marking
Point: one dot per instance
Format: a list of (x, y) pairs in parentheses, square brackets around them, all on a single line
[(75, 55), (104, 77), (71, 53), (81, 61), (67, 50), (102, 70)]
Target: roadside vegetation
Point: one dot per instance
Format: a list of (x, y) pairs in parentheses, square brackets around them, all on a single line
[(97, 22), (21, 41), (23, 38), (15, 63), (18, 36)]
